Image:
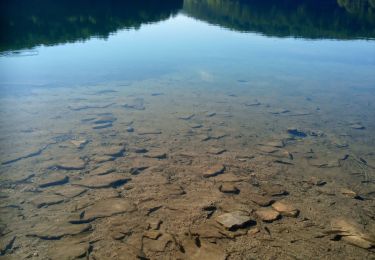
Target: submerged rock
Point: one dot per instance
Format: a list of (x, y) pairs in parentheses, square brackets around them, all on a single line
[(68, 250), (156, 155), (56, 229), (71, 164), (103, 169), (352, 233), (234, 220), (186, 116), (295, 132), (267, 215), (79, 143), (229, 188), (105, 208), (103, 181), (285, 209), (70, 191), (53, 180), (262, 201), (357, 126), (112, 150), (45, 200), (214, 170), (135, 103), (274, 190), (102, 126), (214, 150)]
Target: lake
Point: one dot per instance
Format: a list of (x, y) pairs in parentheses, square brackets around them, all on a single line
[(186, 129)]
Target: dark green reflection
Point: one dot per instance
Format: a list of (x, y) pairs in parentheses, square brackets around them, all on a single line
[(336, 19), (28, 23)]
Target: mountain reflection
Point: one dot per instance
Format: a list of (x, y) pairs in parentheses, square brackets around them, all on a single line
[(335, 19), (29, 23)]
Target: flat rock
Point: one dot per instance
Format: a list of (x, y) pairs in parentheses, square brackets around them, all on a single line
[(102, 126), (262, 201), (70, 191), (186, 116), (6, 243), (214, 150), (45, 200), (21, 177), (276, 143), (79, 143), (156, 155), (234, 220), (71, 164), (357, 126), (113, 150), (352, 233), (285, 209), (53, 180), (214, 170), (279, 111), (206, 251), (103, 181), (105, 208), (274, 190), (135, 103), (229, 188), (210, 114), (89, 106), (295, 132), (105, 120), (56, 229), (68, 250), (195, 126), (103, 169), (152, 234), (154, 224), (267, 149), (267, 215), (148, 132), (139, 150), (252, 103)]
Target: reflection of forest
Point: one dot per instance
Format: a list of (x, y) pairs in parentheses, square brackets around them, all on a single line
[(342, 19), (28, 23)]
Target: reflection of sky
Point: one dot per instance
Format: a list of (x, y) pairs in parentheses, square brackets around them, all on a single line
[(182, 43)]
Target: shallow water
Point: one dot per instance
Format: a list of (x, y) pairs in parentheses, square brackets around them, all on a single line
[(130, 133)]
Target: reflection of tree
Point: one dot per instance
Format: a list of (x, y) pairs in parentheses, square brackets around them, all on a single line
[(28, 23), (298, 18)]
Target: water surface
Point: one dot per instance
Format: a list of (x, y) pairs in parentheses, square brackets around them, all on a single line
[(115, 116)]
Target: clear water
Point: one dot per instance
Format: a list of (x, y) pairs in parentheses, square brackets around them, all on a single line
[(246, 71)]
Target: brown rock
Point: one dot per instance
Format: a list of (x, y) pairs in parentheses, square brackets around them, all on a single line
[(152, 234), (285, 209), (214, 170), (45, 200), (56, 229), (229, 188), (103, 169), (103, 181), (71, 164), (68, 250), (53, 180), (262, 201), (105, 208), (234, 220), (267, 215), (70, 191), (274, 190)]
